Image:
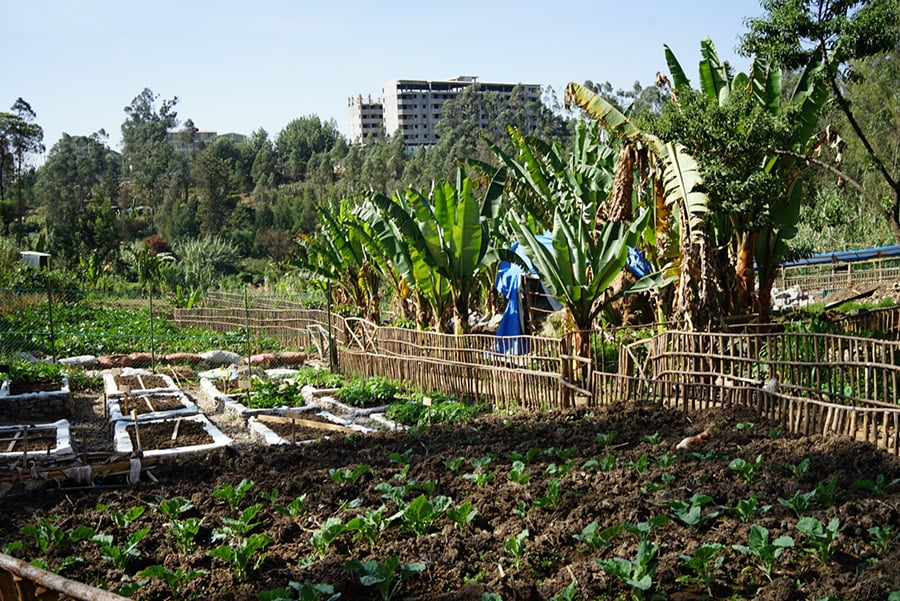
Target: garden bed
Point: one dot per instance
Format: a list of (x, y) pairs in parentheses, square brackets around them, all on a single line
[(301, 427), (133, 381), (37, 439), (195, 434), (150, 406)]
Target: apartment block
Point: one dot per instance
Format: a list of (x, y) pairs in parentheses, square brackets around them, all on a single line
[(412, 107)]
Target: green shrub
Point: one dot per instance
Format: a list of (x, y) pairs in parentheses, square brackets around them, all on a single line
[(375, 390)]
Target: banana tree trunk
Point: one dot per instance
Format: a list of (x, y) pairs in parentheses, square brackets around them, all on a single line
[(745, 283)]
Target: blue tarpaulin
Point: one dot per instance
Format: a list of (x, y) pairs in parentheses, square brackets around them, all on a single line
[(509, 334), (846, 256)]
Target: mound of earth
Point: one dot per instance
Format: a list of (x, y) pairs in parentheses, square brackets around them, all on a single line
[(613, 465)]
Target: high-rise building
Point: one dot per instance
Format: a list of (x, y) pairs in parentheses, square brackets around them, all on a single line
[(412, 107)]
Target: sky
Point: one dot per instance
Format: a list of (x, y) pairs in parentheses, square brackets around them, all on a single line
[(238, 66)]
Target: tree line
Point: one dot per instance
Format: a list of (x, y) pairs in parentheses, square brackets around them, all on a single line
[(799, 155)]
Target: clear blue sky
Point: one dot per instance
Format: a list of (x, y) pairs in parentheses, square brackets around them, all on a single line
[(238, 66)]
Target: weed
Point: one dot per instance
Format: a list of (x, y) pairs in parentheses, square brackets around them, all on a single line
[(667, 460)]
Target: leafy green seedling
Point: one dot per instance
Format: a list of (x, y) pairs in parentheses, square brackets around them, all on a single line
[(690, 513), (518, 474), (245, 556), (231, 494), (562, 470), (800, 502), (525, 458), (819, 539), (480, 478), (883, 538), (826, 493), (422, 512), (638, 573), (462, 515), (642, 530), (118, 556), (400, 458), (746, 468), (551, 499), (295, 508), (322, 538), (745, 426), (454, 464), (749, 509), (387, 577), (595, 538), (515, 546), (176, 580), (122, 520), (764, 551), (184, 533), (305, 592), (567, 594), (349, 475), (705, 561), (606, 438), (174, 508), (240, 527), (654, 438), (798, 469), (667, 460), (47, 533), (879, 487), (369, 526), (562, 454)]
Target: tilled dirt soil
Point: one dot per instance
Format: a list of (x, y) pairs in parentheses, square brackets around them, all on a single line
[(631, 488)]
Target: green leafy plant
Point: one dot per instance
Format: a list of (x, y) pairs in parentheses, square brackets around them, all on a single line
[(819, 539), (518, 474), (690, 513), (184, 533), (883, 538), (322, 538), (387, 576), (463, 514), (749, 509), (401, 458), (454, 464), (419, 515), (568, 593), (233, 494), (375, 390), (800, 503), (305, 592), (595, 538), (118, 556), (606, 438), (240, 527), (638, 573), (705, 561), (654, 438), (798, 469), (47, 533), (245, 556), (267, 393), (176, 579), (369, 526), (642, 530), (515, 547), (174, 508), (741, 426), (526, 457), (879, 487), (349, 475), (826, 493), (122, 520), (764, 551), (480, 477), (667, 460), (551, 499), (641, 464), (746, 469)]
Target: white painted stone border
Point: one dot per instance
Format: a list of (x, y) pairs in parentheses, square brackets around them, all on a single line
[(63, 391), (188, 406), (333, 403), (63, 440), (269, 437), (112, 390), (124, 446), (227, 403)]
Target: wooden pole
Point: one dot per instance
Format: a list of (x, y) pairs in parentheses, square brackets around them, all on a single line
[(55, 582)]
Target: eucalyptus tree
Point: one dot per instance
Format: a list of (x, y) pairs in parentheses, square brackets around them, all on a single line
[(299, 141), (146, 152), (215, 182), (77, 187), (20, 137)]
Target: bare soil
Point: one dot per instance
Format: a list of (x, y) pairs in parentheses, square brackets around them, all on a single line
[(465, 563), (141, 383), (146, 403), (158, 435)]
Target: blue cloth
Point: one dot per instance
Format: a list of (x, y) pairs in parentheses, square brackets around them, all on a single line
[(509, 334)]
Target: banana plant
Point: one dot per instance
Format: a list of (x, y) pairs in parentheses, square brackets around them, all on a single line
[(337, 256), (678, 241)]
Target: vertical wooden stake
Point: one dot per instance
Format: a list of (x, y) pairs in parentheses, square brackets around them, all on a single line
[(137, 433)]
